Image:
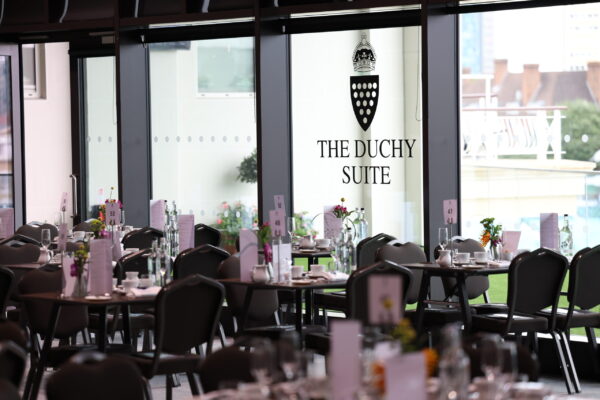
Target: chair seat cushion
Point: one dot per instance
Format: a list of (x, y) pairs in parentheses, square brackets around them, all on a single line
[(434, 317), (489, 308), (168, 363), (138, 321), (59, 355), (521, 323), (579, 319), (331, 301)]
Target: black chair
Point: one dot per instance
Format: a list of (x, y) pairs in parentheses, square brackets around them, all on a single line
[(204, 260), (134, 262), (187, 315), (534, 284), (25, 254), (94, 376), (8, 391), (13, 360), (229, 364), (204, 234), (33, 230), (7, 278), (85, 226), (141, 238), (72, 319)]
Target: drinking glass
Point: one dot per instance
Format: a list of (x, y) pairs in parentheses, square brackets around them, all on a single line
[(262, 362), (291, 227), (443, 237), (46, 238), (491, 357), (289, 355)]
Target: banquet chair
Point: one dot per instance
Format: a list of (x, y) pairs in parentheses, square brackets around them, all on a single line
[(204, 234), (95, 376), (18, 240), (72, 319), (25, 254), (84, 226), (534, 284), (13, 359), (263, 308), (141, 238), (366, 251), (229, 364), (203, 260), (181, 324), (34, 230), (8, 391)]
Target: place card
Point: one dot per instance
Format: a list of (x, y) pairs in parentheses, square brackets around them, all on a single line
[(385, 298), (100, 267), (549, 231), (282, 257), (62, 237), (157, 214), (113, 214), (510, 241), (63, 202), (7, 222), (405, 377), (68, 280), (248, 253), (344, 359), (332, 224), (450, 211), (279, 200), (185, 222), (277, 221)]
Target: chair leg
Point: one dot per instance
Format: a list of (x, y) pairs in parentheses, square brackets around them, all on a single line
[(591, 337), (147, 389), (169, 387), (29, 381), (222, 335), (486, 297), (570, 363), (193, 383), (147, 343), (532, 341), (563, 363)]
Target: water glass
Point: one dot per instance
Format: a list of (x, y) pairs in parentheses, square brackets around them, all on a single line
[(443, 237), (46, 238), (291, 228), (289, 355), (491, 357)]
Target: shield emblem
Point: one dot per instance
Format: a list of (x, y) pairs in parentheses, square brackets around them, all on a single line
[(364, 93)]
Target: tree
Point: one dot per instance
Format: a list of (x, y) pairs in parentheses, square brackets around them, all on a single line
[(582, 121)]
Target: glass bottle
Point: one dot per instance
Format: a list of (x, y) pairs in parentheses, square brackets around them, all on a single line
[(152, 262), (356, 223), (164, 262), (364, 224), (454, 366), (566, 238), (174, 234), (350, 251)]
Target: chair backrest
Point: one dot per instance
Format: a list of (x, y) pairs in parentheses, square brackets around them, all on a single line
[(94, 376), (84, 226), (137, 261), (187, 314), (229, 364), (13, 360), (366, 249), (357, 287), (8, 391), (34, 230), (584, 275), (405, 253), (203, 260), (18, 240), (204, 234), (11, 331), (141, 238), (72, 319), (534, 282), (264, 303), (25, 254), (7, 280)]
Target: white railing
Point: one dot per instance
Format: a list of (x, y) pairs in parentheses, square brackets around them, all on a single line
[(519, 131)]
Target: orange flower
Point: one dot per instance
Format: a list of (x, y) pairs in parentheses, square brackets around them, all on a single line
[(431, 361), (485, 238)]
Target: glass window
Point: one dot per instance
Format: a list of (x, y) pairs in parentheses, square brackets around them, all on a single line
[(204, 147), (357, 127), (6, 158)]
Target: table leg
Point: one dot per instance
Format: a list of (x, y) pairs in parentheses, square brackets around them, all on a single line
[(247, 300), (39, 372), (299, 310), (423, 291), (308, 312), (101, 334), (463, 298), (126, 325)]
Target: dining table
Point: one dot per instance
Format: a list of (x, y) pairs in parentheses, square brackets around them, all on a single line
[(459, 272), (300, 287)]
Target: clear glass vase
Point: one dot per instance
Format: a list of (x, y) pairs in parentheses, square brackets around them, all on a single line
[(80, 288)]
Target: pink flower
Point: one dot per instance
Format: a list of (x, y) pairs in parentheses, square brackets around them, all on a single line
[(73, 269), (225, 205), (219, 221), (268, 253)]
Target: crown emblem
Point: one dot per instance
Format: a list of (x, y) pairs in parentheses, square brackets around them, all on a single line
[(364, 56)]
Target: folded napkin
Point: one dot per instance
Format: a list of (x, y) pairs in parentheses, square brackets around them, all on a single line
[(148, 292)]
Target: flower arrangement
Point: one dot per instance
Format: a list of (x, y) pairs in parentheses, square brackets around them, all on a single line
[(303, 225), (233, 217), (491, 233), (81, 257), (102, 207), (98, 228), (340, 211), (264, 236)]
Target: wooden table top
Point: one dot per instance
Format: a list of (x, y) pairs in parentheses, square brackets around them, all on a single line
[(436, 269), (115, 299), (293, 284)]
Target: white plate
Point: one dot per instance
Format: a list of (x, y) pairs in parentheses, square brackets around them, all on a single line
[(98, 298)]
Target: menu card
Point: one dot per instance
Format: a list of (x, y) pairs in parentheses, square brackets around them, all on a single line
[(185, 222), (62, 237), (280, 202), (157, 214), (282, 260), (248, 253), (510, 241), (405, 377), (277, 221), (549, 231), (113, 214), (385, 298), (332, 224), (68, 280), (450, 211), (344, 359), (100, 267), (7, 223)]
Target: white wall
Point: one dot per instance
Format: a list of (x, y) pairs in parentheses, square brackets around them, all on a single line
[(48, 140)]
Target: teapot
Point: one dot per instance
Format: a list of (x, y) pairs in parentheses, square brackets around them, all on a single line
[(307, 242), (444, 259), (260, 273)]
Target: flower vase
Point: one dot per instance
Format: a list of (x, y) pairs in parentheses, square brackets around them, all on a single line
[(495, 250), (80, 288)]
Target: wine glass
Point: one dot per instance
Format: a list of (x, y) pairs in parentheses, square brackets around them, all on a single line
[(46, 242), (491, 357), (443, 237), (291, 227)]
